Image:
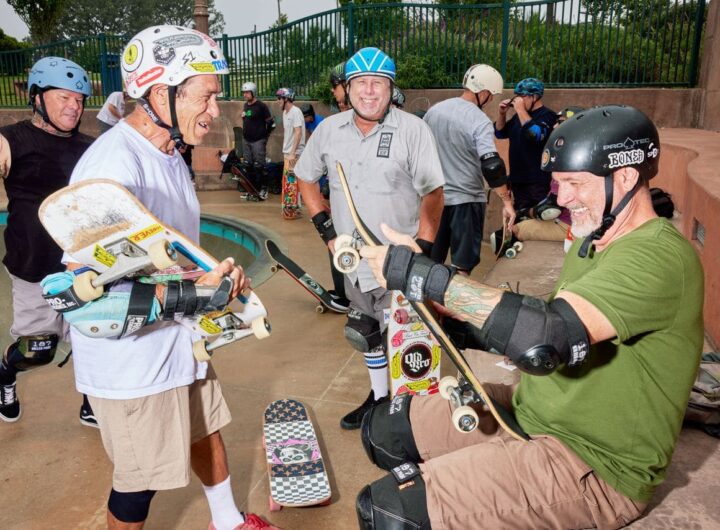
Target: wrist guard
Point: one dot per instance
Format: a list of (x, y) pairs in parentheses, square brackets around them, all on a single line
[(324, 225), (417, 276), (184, 298), (425, 245)]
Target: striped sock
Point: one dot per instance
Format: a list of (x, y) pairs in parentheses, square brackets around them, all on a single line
[(378, 369)]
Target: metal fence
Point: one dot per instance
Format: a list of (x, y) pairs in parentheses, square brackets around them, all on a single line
[(566, 43)]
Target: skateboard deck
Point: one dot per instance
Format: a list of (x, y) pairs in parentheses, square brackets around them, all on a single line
[(102, 226), (290, 197), (461, 393), (296, 272), (252, 194), (296, 469), (413, 350)]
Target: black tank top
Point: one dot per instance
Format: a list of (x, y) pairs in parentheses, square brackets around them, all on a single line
[(41, 163)]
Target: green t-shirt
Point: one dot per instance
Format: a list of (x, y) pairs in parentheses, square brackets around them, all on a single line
[(621, 411)]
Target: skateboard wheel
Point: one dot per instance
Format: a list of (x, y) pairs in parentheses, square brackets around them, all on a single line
[(260, 328), (273, 268), (320, 309), (446, 386), (518, 246), (200, 351), (343, 240), (346, 260), (84, 288), (274, 506), (465, 419), (162, 254), (511, 253)]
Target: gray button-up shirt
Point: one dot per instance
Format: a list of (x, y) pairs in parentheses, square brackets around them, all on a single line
[(389, 171)]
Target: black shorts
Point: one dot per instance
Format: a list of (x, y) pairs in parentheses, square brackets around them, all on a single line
[(460, 232)]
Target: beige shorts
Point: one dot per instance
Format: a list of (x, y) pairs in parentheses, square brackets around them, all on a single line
[(539, 230), (31, 313), (492, 478), (148, 439)]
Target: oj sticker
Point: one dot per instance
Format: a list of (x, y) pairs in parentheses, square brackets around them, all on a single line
[(103, 256)]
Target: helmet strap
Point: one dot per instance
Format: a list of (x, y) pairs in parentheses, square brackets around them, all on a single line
[(477, 100), (174, 130), (608, 216)]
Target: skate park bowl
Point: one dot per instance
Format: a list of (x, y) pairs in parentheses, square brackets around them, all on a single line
[(220, 236)]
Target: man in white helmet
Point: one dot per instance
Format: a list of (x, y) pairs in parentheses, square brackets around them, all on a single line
[(159, 410), (466, 144), (258, 123)]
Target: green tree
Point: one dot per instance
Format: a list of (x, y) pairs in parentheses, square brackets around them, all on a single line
[(127, 17), (41, 17)]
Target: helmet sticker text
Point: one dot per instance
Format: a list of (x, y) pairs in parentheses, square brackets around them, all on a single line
[(626, 158)]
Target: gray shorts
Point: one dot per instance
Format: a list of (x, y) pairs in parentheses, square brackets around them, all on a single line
[(31, 313), (254, 152), (372, 303)]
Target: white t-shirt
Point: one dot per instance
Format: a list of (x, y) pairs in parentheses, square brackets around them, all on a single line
[(293, 118), (158, 357), (116, 99)]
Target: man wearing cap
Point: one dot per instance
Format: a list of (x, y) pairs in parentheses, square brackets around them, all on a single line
[(37, 157), (392, 166), (160, 410), (606, 364), (466, 145), (527, 131)]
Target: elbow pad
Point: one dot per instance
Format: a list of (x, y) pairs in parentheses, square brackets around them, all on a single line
[(537, 336), (493, 169)]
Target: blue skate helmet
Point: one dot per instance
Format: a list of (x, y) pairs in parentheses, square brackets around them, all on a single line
[(530, 87), (370, 61), (56, 72)]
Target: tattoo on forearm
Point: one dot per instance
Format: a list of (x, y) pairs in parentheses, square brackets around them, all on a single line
[(470, 300)]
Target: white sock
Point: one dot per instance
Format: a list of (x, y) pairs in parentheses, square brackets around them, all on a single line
[(225, 515), (378, 369)]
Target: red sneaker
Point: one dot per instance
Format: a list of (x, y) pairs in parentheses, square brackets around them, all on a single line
[(252, 522)]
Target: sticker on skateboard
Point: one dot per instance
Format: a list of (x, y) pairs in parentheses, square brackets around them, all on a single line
[(325, 299), (296, 469), (290, 197), (465, 391), (102, 226)]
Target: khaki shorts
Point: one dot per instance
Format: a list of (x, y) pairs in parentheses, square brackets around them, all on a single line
[(488, 479), (539, 230), (148, 439)]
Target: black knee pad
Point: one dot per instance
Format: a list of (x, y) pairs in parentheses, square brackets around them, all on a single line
[(387, 435), (389, 504), (27, 353), (130, 507), (363, 331)]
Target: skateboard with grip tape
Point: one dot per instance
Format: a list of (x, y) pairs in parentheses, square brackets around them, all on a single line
[(466, 390), (296, 469), (105, 228)]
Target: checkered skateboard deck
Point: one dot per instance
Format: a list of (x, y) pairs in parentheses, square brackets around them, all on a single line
[(295, 465)]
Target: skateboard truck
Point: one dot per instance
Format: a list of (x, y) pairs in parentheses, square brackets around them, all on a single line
[(231, 328), (461, 395), (346, 258), (126, 259)]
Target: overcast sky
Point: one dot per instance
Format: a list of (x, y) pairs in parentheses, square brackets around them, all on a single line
[(240, 15)]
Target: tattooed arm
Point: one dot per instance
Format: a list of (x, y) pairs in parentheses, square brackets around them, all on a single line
[(471, 301), (4, 157)]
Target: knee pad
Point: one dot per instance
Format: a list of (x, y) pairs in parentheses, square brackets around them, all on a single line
[(362, 331), (387, 435), (395, 502), (130, 507), (27, 353)]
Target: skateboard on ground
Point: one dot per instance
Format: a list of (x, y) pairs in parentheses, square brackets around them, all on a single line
[(295, 465), (303, 278), (238, 170), (460, 392), (290, 197), (413, 350), (102, 226)]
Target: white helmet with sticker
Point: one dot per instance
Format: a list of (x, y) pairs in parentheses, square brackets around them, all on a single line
[(169, 55)]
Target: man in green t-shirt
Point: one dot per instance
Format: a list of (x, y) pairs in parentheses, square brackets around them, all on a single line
[(607, 365)]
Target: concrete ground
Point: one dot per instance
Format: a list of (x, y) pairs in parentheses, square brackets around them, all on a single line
[(55, 474)]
